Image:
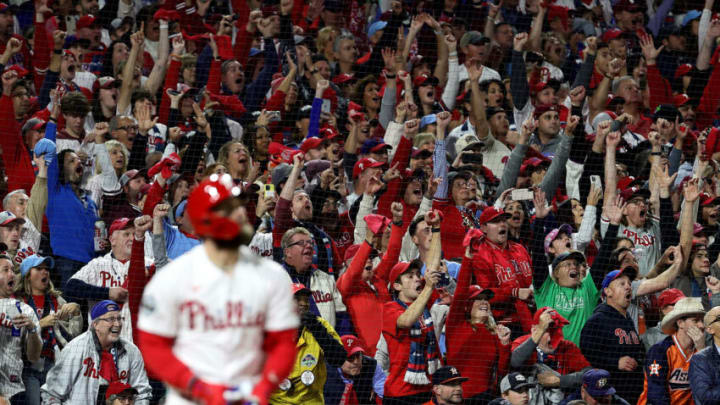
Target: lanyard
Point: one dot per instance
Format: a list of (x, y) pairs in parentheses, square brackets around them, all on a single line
[(48, 308)]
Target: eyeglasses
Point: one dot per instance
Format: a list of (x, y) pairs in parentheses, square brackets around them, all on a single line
[(303, 243), (114, 319)]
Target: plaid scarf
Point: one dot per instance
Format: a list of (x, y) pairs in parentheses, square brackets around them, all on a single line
[(424, 355)]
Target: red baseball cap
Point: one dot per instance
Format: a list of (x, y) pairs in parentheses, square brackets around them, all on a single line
[(85, 21), (350, 252), (299, 287), (476, 291), (116, 387), (310, 143), (343, 78), (120, 224), (543, 108), (632, 192), (352, 344), (532, 162), (680, 100), (425, 80), (490, 214), (707, 199), (683, 70), (670, 297), (611, 34), (403, 267), (364, 164)]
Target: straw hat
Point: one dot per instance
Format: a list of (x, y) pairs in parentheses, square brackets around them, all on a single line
[(685, 307)]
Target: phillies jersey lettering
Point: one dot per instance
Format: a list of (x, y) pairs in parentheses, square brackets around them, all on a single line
[(91, 371), (234, 317), (627, 339), (320, 296), (642, 240), (218, 317)]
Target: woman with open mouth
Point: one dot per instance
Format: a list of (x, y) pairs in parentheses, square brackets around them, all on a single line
[(60, 321), (476, 345)]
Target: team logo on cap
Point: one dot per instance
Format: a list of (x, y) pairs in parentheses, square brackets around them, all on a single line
[(453, 370), (112, 307), (602, 382), (520, 377)]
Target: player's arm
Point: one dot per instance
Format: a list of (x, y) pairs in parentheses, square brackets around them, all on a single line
[(138, 378), (279, 343), (162, 363), (280, 351)]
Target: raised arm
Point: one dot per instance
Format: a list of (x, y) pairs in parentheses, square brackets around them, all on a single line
[(137, 39), (157, 74), (612, 141), (537, 246)]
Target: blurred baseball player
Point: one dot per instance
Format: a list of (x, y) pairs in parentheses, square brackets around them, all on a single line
[(219, 322)]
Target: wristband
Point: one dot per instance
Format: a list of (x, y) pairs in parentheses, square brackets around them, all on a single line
[(452, 54), (57, 51), (32, 331), (398, 223), (52, 119), (390, 76), (438, 32), (655, 153), (435, 230), (163, 26)]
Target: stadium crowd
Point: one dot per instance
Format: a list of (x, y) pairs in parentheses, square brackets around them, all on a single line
[(477, 202)]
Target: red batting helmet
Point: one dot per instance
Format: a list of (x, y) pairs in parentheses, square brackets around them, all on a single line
[(206, 196)]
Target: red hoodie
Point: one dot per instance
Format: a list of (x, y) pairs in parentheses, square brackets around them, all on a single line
[(18, 164), (504, 270), (365, 304), (475, 351)]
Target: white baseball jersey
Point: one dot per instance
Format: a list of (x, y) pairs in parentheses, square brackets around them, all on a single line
[(108, 272), (11, 347), (326, 295), (216, 317)]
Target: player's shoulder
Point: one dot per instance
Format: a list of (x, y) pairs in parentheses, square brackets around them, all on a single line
[(177, 271), (268, 268)]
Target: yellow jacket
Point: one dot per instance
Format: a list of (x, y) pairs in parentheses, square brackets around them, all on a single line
[(306, 381)]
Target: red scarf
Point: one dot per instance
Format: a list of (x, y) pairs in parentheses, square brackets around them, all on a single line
[(348, 396), (108, 370)]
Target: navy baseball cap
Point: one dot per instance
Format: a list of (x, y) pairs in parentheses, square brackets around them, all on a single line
[(629, 271), (102, 308), (597, 383), (447, 375)]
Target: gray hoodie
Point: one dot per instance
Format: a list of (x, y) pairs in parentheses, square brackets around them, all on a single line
[(74, 379)]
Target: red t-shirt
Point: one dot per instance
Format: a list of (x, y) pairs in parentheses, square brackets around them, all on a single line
[(398, 343)]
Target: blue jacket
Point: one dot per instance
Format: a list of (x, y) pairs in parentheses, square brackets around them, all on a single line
[(606, 337), (176, 242), (71, 219), (705, 376)]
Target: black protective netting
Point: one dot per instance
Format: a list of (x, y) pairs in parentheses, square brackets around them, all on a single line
[(354, 202)]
